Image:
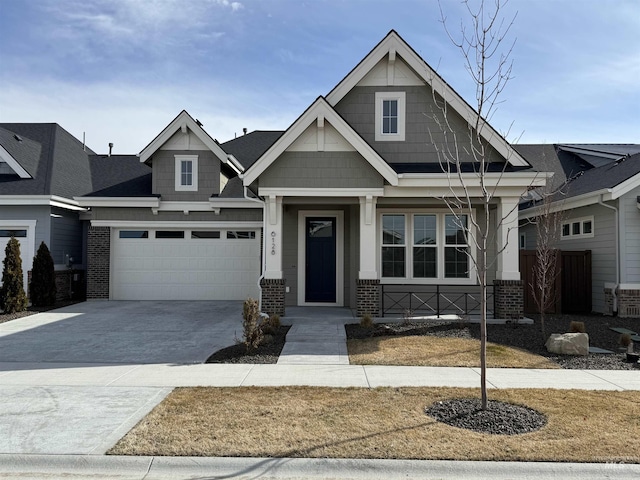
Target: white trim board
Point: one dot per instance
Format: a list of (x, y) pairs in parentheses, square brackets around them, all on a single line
[(173, 224), (6, 157), (28, 251)]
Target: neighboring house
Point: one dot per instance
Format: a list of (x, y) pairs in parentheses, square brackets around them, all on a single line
[(599, 193), (346, 201), (42, 167)]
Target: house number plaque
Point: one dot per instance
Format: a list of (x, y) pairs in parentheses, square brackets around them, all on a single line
[(273, 243)]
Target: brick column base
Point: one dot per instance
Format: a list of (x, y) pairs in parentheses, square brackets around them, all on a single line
[(98, 262), (367, 298), (608, 300), (509, 299), (628, 303), (272, 296)]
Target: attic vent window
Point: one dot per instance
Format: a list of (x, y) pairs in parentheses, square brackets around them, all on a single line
[(186, 173), (390, 116)]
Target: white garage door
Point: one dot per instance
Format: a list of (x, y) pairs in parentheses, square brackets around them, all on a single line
[(185, 264)]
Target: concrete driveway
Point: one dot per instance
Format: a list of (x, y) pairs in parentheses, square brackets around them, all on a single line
[(107, 332), (83, 349)]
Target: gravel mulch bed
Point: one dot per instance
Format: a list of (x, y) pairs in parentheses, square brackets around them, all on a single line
[(267, 352), (526, 337), (500, 418), (6, 317)]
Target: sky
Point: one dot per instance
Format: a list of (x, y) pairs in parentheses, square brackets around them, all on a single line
[(120, 70)]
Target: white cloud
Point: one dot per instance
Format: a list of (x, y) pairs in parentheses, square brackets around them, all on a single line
[(235, 6)]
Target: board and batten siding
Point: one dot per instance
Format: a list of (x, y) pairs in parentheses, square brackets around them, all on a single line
[(164, 175), (66, 237), (421, 129), (630, 237), (321, 170)]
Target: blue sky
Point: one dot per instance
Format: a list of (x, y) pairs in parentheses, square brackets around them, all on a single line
[(121, 70)]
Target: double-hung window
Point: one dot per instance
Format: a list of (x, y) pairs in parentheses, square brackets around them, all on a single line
[(186, 172), (425, 247), (390, 116)]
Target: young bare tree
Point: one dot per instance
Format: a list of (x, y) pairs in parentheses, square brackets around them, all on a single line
[(467, 158)]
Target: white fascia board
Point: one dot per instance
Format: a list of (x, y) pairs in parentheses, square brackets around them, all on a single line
[(625, 187), (512, 179), (233, 203), (235, 164), (446, 191), (190, 225), (13, 163), (430, 77), (182, 120), (151, 202), (578, 201), (320, 192), (320, 108), (50, 200)]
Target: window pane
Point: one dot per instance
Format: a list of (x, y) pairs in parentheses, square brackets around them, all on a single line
[(393, 125), (186, 172), (393, 229), (393, 263), (586, 227), (170, 234), (13, 233), (424, 262), (240, 235), (565, 230), (134, 234), (212, 234), (424, 230), (386, 108), (575, 228), (455, 227), (320, 228), (456, 262), (394, 108), (386, 125)]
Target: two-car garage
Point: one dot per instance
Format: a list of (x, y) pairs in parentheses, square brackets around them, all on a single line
[(184, 264)]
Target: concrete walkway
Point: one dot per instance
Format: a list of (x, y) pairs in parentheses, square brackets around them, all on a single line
[(316, 336)]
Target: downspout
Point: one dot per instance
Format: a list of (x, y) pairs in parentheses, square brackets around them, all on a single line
[(245, 190), (617, 219)]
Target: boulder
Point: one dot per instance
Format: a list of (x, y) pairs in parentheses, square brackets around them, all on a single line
[(568, 343)]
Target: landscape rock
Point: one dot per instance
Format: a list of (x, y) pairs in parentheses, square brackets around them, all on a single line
[(568, 343)]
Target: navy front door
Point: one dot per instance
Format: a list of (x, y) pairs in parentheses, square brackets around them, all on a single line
[(320, 271)]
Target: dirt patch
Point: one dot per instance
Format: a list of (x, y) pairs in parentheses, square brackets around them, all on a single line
[(267, 352)]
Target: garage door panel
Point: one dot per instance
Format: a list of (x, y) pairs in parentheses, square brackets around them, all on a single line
[(185, 269)]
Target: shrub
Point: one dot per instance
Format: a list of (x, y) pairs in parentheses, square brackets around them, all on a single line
[(252, 333), (43, 278), (12, 296), (366, 321), (270, 325), (577, 327)]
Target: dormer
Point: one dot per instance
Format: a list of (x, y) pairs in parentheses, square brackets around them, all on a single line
[(187, 164)]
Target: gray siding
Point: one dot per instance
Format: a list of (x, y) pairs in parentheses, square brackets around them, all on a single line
[(163, 175), (358, 109), (40, 213), (145, 215), (630, 231), (66, 237), (321, 170)]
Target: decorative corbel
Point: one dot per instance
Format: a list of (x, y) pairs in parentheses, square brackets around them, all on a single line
[(368, 210), (391, 67), (320, 124)]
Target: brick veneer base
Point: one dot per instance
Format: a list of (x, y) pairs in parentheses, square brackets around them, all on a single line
[(272, 296), (608, 301), (98, 262), (367, 297), (508, 298), (628, 303)]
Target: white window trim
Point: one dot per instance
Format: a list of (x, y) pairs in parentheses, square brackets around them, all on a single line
[(581, 221), (27, 245), (178, 173), (440, 279), (391, 137)]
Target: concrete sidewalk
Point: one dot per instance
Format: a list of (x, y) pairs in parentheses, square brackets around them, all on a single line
[(242, 375), (147, 468)]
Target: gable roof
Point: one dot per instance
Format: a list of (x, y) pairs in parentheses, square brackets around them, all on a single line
[(248, 148), (55, 160), (319, 111), (119, 176), (393, 45), (182, 122)]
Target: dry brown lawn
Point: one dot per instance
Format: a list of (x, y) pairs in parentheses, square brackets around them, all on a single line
[(388, 423), (439, 352)]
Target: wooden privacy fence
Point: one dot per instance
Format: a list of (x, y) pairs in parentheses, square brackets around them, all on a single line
[(572, 281)]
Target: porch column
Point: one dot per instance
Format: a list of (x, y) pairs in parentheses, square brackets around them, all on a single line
[(508, 288), (272, 284), (368, 283)]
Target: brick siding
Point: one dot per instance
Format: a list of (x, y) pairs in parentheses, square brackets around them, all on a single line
[(98, 262), (628, 303), (509, 299), (272, 296), (608, 301), (368, 298)]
